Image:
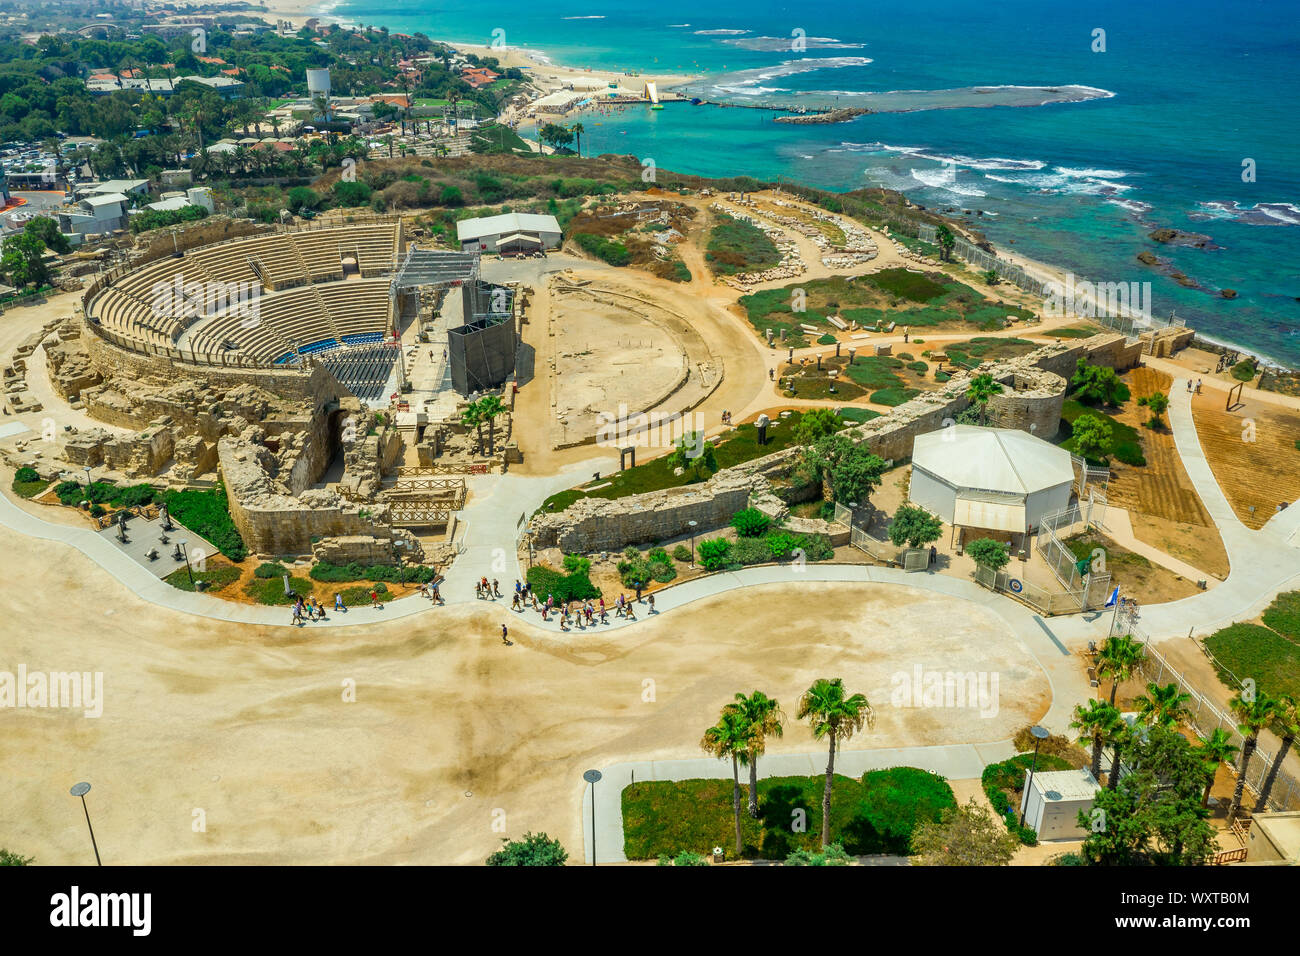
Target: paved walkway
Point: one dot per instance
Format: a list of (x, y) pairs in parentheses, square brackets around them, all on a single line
[(953, 761)]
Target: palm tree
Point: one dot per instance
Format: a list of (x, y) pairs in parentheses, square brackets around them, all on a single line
[(1255, 714), (981, 389), (578, 129), (1163, 706), (1286, 724), (1121, 735), (489, 407), (1215, 749), (472, 417), (764, 716), (730, 738), (1119, 660), (1097, 723), (837, 717)]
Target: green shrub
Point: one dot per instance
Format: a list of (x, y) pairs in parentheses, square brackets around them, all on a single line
[(750, 523), (25, 474), (133, 496), (751, 551), (97, 511), (274, 569), (656, 554), (576, 564), (206, 513), (1244, 370), (563, 587), (894, 803), (816, 547), (614, 253), (1129, 452), (361, 594), (682, 553), (781, 545), (715, 554), (1002, 783), (662, 571)]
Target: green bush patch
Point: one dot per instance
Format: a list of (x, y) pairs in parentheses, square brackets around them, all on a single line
[(563, 587), (206, 512), (1003, 783), (215, 578), (874, 815)]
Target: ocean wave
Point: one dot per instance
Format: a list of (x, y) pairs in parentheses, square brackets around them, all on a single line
[(678, 26), (777, 44), (759, 75), (590, 16), (954, 159), (1133, 206), (1063, 180), (715, 33), (1260, 214), (946, 180)]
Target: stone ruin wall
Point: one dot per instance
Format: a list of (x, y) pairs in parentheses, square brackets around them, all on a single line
[(273, 522), (1035, 395)]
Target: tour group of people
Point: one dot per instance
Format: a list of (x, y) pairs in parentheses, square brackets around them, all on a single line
[(580, 613)]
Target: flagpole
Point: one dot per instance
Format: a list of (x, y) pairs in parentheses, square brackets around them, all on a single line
[(1114, 616)]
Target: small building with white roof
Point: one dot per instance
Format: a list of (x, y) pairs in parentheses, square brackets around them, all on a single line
[(1052, 800), (990, 479), (511, 232)]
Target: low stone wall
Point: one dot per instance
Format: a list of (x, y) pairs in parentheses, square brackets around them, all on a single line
[(597, 524), (1034, 394)]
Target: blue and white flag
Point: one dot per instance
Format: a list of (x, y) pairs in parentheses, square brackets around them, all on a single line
[(1114, 597)]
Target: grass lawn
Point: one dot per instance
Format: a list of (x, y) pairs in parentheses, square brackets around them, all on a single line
[(271, 590), (892, 295), (874, 815), (858, 414), (29, 489), (987, 348), (1073, 332), (1249, 650), (216, 578), (1125, 440), (737, 246), (741, 445), (1283, 615)]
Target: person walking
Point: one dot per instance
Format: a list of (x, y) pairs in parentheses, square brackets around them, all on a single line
[(496, 589), (505, 636), (374, 599), (651, 599), (338, 602)]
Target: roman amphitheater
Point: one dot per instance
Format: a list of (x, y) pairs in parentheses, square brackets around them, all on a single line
[(366, 399)]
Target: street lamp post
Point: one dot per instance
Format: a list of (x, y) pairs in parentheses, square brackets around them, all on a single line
[(398, 545), (692, 524), (186, 552), (593, 777), (1040, 734), (80, 790)]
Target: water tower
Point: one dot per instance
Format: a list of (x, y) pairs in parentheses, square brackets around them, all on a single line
[(318, 84)]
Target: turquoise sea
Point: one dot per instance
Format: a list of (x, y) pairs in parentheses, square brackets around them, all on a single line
[(1015, 109)]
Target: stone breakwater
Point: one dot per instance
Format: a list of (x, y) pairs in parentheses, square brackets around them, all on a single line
[(830, 116)]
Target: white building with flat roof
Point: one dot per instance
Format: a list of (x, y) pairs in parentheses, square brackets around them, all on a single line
[(511, 232), (1052, 801)]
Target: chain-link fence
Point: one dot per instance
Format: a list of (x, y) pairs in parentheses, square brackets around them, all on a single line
[(986, 261), (1206, 717)]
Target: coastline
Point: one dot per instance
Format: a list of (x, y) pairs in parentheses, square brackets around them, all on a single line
[(550, 76)]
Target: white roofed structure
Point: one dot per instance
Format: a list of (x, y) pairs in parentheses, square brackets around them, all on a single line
[(994, 479), (516, 228)]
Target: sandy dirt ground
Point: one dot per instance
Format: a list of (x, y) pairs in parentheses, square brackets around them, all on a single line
[(450, 730)]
